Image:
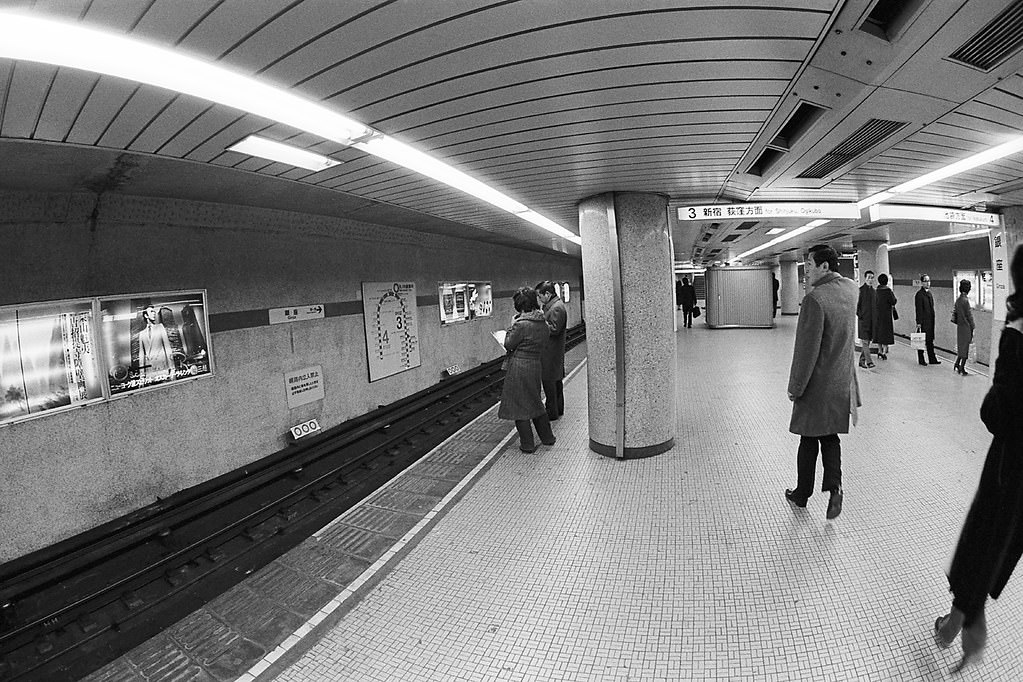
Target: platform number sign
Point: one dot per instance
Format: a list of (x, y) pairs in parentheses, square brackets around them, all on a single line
[(392, 328)]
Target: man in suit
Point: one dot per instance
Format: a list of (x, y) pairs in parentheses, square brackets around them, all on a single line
[(552, 359), (865, 312), (925, 320), (822, 381)]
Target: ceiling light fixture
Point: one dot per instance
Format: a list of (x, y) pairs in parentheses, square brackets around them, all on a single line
[(944, 238), (29, 38), (775, 230), (778, 240), (253, 145)]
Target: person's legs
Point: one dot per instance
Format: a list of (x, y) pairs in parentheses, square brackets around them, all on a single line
[(865, 360), (559, 390), (526, 443), (831, 456), (806, 467), (920, 357), (931, 357), (543, 429), (687, 317), (550, 393)]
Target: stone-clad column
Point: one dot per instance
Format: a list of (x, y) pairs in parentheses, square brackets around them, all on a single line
[(866, 251), (790, 289), (630, 313)]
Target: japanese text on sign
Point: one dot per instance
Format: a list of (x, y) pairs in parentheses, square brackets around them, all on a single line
[(778, 210), (304, 386)]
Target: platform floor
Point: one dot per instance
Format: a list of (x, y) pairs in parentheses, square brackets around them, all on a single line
[(566, 565)]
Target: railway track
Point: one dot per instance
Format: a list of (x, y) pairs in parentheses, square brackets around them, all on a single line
[(70, 608)]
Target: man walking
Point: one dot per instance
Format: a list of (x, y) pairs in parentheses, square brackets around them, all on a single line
[(552, 359), (688, 302), (925, 320), (822, 381)]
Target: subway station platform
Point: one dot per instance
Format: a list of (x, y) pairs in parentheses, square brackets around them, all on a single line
[(567, 565)]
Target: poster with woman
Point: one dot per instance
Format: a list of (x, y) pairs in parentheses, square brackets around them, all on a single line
[(155, 339)]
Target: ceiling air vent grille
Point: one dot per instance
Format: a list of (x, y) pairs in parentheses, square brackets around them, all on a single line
[(731, 238), (870, 134), (995, 42), (748, 225)]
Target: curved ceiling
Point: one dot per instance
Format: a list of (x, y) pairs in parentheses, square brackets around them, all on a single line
[(549, 102)]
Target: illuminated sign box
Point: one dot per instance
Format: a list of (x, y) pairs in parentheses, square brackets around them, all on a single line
[(812, 211), (932, 213), (464, 301)]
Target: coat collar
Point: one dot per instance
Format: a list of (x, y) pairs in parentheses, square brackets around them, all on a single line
[(532, 316), (554, 299), (830, 277)]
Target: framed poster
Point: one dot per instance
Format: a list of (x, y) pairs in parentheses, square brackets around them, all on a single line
[(48, 358), (481, 299), (392, 328), (464, 301), (155, 339)]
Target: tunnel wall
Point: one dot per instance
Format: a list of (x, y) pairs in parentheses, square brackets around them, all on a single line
[(65, 472)]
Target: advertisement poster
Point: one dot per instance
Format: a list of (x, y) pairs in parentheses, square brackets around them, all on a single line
[(464, 301), (392, 328), (47, 358), (155, 339), (481, 300)]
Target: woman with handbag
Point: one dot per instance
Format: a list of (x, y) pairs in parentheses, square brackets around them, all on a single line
[(884, 314), (991, 542), (962, 318)]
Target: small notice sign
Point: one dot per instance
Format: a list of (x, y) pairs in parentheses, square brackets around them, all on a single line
[(303, 386), (296, 313)]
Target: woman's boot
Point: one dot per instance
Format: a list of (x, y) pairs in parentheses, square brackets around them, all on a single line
[(526, 443)]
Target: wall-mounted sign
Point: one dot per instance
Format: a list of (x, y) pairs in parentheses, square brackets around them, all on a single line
[(155, 339), (303, 386), (392, 328), (296, 313), (304, 429), (48, 358), (813, 211), (464, 301), (932, 213)]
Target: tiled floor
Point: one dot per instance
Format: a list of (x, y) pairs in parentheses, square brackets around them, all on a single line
[(565, 565)]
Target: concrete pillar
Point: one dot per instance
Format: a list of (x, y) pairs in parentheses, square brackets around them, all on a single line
[(630, 338), (881, 261), (790, 288), (866, 252)]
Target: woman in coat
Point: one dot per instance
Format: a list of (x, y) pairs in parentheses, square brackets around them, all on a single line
[(963, 318), (884, 314), (520, 396), (991, 541)]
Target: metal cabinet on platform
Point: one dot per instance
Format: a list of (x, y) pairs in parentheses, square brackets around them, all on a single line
[(739, 296)]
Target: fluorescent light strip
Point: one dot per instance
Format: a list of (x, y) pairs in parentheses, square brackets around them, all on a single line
[(966, 164), (778, 240), (775, 230), (874, 199), (944, 238), (253, 145), (24, 37)]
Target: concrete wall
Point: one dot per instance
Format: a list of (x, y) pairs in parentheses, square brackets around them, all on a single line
[(64, 473), (940, 261)]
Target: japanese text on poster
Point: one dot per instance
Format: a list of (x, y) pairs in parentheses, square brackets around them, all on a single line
[(392, 329)]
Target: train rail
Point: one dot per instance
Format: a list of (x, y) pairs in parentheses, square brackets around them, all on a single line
[(70, 608)]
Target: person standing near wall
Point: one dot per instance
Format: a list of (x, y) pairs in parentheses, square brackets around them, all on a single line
[(865, 311), (991, 541), (884, 317), (962, 318), (688, 302), (822, 380), (775, 285), (925, 319), (553, 357)]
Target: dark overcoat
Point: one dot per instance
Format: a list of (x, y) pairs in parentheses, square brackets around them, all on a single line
[(688, 297), (553, 357), (964, 326), (884, 326), (925, 312), (991, 541), (525, 341), (866, 307), (822, 379)]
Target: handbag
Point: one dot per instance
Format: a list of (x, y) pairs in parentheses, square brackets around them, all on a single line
[(895, 313), (696, 311), (918, 340)]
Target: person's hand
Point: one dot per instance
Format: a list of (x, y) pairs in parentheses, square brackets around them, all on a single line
[(792, 397)]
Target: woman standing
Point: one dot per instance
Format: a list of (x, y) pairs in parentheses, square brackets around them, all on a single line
[(520, 396), (884, 314), (991, 541), (963, 318)]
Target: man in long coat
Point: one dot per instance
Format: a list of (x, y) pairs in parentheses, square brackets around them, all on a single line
[(866, 309), (822, 381), (925, 320), (553, 356)]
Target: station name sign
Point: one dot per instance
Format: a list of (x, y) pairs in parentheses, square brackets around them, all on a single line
[(829, 210), (933, 213)]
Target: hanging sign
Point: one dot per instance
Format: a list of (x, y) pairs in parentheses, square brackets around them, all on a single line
[(392, 328), (932, 213), (296, 314), (829, 210)]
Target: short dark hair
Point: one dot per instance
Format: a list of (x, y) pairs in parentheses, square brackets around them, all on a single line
[(546, 287), (923, 275), (965, 286), (822, 253), (868, 272), (525, 300), (685, 280), (882, 279)]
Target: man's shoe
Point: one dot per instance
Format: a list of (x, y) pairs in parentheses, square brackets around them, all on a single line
[(791, 496), (552, 441), (934, 362), (835, 503)]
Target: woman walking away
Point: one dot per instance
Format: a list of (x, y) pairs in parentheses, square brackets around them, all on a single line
[(991, 541), (520, 395), (884, 314), (962, 316)]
